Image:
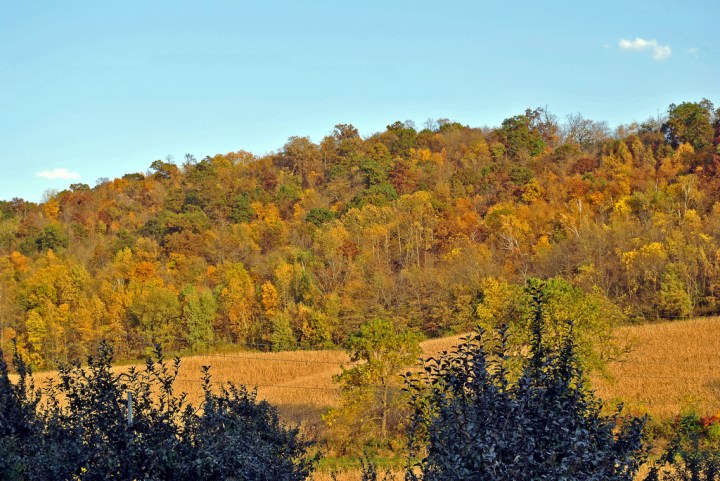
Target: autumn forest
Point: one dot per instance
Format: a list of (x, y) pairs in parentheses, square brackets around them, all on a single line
[(430, 227)]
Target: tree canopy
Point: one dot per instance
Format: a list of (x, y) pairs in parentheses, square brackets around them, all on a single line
[(300, 247)]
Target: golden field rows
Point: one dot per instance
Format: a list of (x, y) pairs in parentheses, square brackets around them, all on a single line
[(672, 367)]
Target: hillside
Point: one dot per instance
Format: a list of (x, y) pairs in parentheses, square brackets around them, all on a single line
[(299, 247)]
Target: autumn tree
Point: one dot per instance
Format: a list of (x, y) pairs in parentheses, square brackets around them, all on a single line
[(303, 158), (237, 302), (370, 391), (401, 224)]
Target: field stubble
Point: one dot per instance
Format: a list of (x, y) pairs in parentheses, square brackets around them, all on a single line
[(672, 367)]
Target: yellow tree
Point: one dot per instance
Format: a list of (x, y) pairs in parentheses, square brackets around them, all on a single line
[(237, 302), (54, 293), (415, 229), (10, 311)]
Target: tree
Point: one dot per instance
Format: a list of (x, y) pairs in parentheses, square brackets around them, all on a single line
[(236, 298), (319, 216), (164, 170), (199, 309), (399, 137), (302, 157), (521, 133), (690, 122), (51, 238), (369, 391), (474, 419), (594, 317), (586, 133), (9, 305), (156, 311)]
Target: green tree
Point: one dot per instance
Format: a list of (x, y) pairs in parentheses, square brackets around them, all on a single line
[(282, 336), (690, 122), (593, 315), (156, 312), (370, 391), (199, 309), (521, 134), (319, 216), (52, 237), (400, 137), (675, 302)]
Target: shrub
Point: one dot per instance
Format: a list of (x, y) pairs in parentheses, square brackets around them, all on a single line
[(82, 430), (478, 417), (18, 422)]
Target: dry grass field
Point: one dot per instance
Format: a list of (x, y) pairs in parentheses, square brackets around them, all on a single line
[(673, 367), (298, 382)]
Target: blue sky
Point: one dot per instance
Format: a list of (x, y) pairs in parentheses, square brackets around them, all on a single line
[(93, 89)]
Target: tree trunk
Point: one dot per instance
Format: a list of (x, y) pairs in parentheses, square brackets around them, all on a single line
[(383, 426)]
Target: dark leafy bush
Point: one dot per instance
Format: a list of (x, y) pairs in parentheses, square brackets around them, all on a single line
[(19, 425), (485, 413), (82, 429), (237, 437)]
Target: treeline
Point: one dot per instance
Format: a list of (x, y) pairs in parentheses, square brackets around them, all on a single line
[(428, 227)]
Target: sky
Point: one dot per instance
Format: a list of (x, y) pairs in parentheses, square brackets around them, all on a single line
[(93, 89)]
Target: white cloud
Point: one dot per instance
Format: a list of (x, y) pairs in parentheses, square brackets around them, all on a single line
[(659, 52), (62, 174)]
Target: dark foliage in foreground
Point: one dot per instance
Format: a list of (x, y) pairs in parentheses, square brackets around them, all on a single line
[(18, 423), (477, 417), (82, 431)]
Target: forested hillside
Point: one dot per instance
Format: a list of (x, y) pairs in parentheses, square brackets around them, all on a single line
[(427, 227)]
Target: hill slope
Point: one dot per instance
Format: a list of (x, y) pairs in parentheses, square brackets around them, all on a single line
[(299, 247)]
